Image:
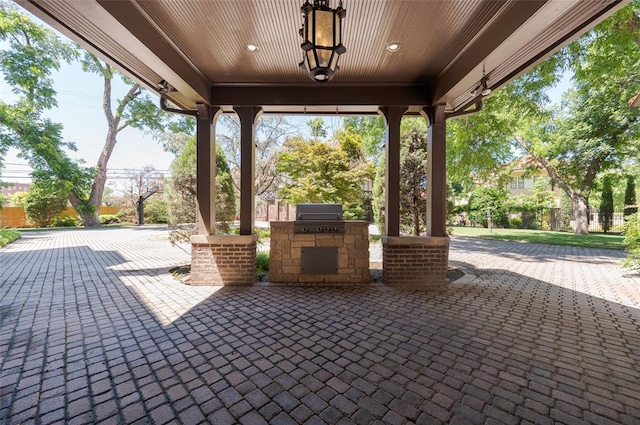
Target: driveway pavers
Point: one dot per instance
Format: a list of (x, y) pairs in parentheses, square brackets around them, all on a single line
[(94, 330)]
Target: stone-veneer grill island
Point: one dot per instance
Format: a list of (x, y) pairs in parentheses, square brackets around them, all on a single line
[(319, 247)]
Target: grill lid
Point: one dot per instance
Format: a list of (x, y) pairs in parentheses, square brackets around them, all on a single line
[(326, 212)]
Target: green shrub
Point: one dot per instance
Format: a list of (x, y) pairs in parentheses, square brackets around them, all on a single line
[(262, 266), (515, 223), (155, 211), (484, 199), (109, 219), (7, 236), (632, 241), (605, 210), (44, 200), (65, 221), (127, 215)]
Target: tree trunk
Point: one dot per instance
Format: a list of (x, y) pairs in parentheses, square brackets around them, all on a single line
[(580, 214), (89, 211), (89, 217)]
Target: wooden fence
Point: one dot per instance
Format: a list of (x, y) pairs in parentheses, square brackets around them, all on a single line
[(16, 216)]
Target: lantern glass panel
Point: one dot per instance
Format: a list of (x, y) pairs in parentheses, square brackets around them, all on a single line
[(324, 57), (334, 62), (338, 29), (308, 28), (323, 28), (311, 59)]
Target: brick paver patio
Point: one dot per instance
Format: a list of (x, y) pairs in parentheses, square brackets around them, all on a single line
[(94, 330)]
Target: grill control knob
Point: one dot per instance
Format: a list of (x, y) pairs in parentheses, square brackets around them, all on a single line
[(305, 229)]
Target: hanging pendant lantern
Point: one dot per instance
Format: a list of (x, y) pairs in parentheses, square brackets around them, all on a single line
[(321, 39)]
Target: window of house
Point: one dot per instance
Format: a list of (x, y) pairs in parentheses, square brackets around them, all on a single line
[(520, 183)]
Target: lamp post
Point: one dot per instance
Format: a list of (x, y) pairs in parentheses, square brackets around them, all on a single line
[(321, 39)]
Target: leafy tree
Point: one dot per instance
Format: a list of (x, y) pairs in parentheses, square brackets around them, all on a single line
[(372, 130), (33, 54), (544, 199), (17, 199), (631, 231), (378, 202), (413, 179), (155, 210), (605, 211), (592, 132), (3, 200), (538, 204), (317, 128), (479, 145), (30, 55), (181, 192), (485, 201), (136, 110), (413, 176), (596, 130), (324, 172), (45, 199), (630, 204)]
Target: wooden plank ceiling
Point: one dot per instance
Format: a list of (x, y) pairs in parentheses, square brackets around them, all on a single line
[(200, 47)]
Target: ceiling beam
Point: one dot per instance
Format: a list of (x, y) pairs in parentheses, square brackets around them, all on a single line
[(515, 15), (180, 73), (321, 95)]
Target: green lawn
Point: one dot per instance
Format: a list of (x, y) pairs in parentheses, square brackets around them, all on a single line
[(542, 236), (7, 236)]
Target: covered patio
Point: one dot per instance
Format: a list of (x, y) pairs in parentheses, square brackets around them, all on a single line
[(429, 58), (94, 330)]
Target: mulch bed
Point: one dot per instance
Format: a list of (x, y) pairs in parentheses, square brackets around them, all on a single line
[(183, 273)]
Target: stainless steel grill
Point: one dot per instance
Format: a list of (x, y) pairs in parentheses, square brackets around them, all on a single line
[(318, 218)]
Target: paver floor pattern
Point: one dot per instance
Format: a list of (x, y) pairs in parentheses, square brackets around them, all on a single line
[(94, 330)]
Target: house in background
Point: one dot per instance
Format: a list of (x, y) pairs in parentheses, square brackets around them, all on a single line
[(12, 188), (524, 174)]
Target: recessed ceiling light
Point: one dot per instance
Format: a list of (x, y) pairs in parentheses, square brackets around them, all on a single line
[(252, 47), (393, 47)]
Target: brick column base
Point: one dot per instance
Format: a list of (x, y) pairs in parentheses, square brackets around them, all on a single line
[(223, 259), (415, 261)]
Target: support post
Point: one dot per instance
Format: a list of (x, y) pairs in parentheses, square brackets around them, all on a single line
[(247, 116), (393, 117), (205, 170), (437, 173)]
